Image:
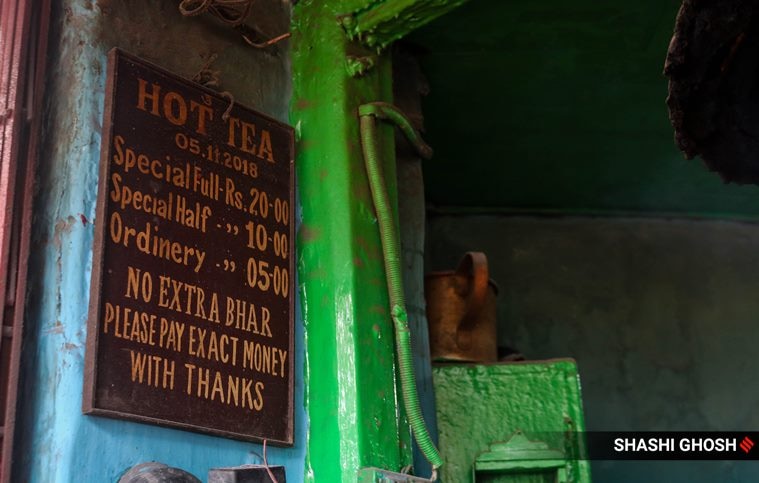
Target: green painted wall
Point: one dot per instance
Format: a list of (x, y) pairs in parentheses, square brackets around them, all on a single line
[(559, 106), (478, 405), (661, 316)]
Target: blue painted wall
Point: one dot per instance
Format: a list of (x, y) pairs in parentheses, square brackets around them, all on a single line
[(56, 442)]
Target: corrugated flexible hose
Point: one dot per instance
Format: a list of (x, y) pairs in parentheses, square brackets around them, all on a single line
[(368, 114)]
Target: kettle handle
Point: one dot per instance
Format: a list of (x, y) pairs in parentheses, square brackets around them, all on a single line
[(475, 265)]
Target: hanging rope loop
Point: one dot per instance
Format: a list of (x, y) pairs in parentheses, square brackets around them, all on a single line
[(233, 13)]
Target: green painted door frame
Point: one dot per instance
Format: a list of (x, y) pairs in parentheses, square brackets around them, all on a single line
[(352, 394)]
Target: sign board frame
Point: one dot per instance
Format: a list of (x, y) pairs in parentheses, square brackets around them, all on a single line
[(106, 395)]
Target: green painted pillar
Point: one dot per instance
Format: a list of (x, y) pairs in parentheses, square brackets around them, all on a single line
[(351, 397), (356, 419)]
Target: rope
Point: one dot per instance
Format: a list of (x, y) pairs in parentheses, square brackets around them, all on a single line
[(231, 12), (210, 78), (225, 116), (206, 76)]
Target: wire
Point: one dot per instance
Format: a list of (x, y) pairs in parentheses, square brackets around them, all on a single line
[(266, 465), (368, 115), (261, 45)]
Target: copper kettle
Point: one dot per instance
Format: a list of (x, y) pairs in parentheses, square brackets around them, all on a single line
[(461, 311)]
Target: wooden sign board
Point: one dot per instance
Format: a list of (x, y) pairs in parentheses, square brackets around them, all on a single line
[(191, 305)]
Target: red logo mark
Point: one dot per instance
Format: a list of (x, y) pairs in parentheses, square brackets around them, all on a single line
[(746, 444)]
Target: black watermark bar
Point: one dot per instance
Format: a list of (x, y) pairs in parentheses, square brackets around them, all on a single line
[(667, 445)]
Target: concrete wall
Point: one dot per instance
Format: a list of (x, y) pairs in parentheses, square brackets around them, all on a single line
[(56, 442), (661, 315)]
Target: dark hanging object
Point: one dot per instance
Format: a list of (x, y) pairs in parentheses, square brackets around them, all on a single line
[(155, 472), (248, 474), (713, 70)]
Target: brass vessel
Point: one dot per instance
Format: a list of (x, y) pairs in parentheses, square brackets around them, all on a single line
[(461, 311)]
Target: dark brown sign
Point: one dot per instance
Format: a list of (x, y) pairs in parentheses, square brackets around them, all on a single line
[(191, 311)]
